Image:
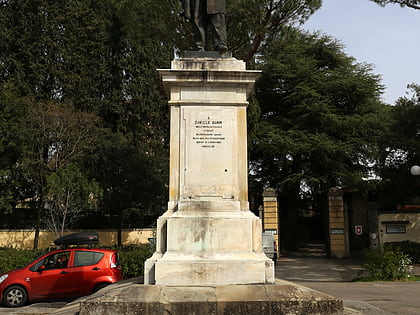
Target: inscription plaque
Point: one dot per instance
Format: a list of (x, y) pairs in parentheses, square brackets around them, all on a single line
[(209, 168), (209, 133)]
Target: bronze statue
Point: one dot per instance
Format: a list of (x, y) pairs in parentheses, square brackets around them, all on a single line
[(205, 14)]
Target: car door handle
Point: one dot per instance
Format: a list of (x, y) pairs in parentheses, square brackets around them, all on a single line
[(96, 268), (63, 272)]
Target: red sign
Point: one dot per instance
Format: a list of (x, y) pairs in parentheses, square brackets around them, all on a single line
[(358, 229)]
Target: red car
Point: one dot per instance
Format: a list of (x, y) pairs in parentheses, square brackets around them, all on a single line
[(61, 274)]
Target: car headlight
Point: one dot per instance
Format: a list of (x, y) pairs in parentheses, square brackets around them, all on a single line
[(3, 277)]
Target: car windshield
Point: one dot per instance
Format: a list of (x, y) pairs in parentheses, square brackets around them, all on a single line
[(31, 262)]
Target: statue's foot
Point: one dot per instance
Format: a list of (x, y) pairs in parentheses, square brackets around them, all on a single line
[(222, 49)]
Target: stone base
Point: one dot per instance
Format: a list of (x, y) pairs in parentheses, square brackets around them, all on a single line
[(251, 269), (280, 298), (210, 248)]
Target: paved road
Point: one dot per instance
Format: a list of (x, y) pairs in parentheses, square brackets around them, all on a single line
[(333, 277)]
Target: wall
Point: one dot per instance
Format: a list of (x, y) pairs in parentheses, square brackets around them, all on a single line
[(25, 238), (392, 225)]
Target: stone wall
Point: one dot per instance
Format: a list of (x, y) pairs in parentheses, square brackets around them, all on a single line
[(399, 226), (24, 239)]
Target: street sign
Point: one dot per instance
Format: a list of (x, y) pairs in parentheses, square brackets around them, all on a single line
[(358, 229)]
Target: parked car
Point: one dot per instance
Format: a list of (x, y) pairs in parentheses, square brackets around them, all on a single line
[(62, 274), (269, 246)]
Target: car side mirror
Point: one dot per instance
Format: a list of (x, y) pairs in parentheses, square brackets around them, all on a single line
[(41, 268)]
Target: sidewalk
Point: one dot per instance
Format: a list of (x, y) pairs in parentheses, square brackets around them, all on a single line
[(333, 276)]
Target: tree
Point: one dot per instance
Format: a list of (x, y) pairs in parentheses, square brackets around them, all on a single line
[(401, 150), (128, 178), (252, 22), (321, 120), (94, 56), (414, 4), (249, 23), (68, 195), (11, 187), (55, 137)]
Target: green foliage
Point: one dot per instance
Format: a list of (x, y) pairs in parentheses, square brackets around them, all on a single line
[(412, 249), (56, 138), (321, 118), (96, 59), (69, 194), (132, 259), (131, 185), (401, 149), (11, 258), (385, 266)]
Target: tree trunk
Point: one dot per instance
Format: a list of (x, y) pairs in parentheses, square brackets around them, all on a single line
[(38, 224)]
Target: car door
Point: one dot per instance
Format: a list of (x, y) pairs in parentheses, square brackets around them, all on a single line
[(85, 270), (50, 277)]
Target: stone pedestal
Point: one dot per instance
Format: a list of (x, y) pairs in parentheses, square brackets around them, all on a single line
[(208, 236)]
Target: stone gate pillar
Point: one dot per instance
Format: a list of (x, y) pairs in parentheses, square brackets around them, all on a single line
[(336, 224), (270, 215)]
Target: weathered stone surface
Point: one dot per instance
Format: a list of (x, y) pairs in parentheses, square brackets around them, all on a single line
[(269, 299), (208, 236)]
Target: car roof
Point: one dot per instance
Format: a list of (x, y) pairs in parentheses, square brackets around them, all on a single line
[(82, 248)]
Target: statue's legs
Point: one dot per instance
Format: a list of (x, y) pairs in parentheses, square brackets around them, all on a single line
[(218, 23), (200, 33), (200, 23)]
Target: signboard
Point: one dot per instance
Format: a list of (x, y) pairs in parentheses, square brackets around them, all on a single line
[(358, 229), (270, 231), (337, 231), (395, 229)]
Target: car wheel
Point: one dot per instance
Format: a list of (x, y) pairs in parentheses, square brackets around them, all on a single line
[(15, 296), (100, 286)]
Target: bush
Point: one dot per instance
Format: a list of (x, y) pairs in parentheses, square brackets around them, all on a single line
[(132, 259), (409, 248), (12, 258), (386, 266)]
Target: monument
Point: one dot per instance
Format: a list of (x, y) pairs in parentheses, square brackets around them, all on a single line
[(208, 257), (208, 236)]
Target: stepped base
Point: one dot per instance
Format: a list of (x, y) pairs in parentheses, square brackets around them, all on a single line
[(280, 298)]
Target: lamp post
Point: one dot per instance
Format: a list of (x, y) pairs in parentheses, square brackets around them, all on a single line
[(415, 170)]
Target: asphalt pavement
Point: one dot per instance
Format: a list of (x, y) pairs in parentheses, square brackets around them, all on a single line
[(312, 269)]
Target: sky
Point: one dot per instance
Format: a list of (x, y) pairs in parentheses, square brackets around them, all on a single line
[(386, 37)]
